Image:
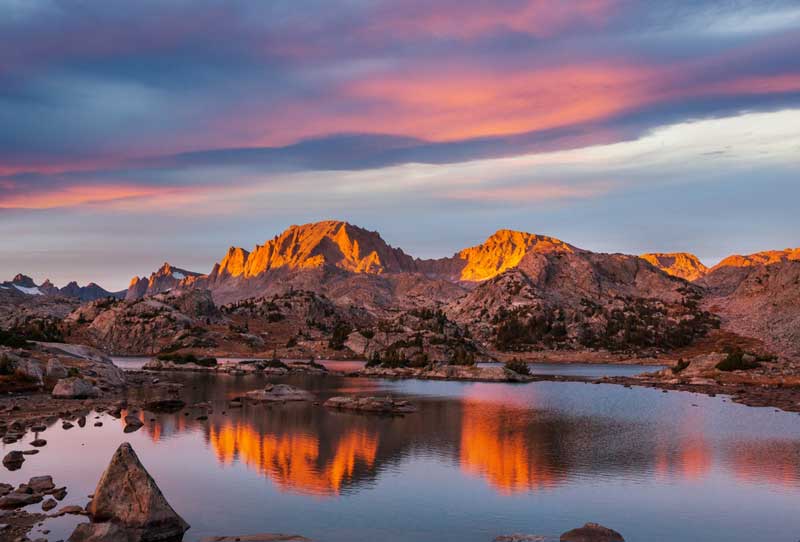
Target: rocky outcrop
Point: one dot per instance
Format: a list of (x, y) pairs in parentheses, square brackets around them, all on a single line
[(164, 279), (145, 326), (756, 296), (448, 372), (592, 532), (74, 388), (678, 264), (381, 405), (279, 393), (128, 505)]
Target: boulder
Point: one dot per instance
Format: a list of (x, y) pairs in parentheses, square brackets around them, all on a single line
[(384, 405), (13, 460), (30, 369), (279, 393), (18, 499), (100, 532), (74, 388), (592, 532), (55, 369), (128, 497), (41, 484)]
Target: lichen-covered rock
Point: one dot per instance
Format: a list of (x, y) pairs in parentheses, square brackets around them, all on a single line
[(128, 498), (74, 388)]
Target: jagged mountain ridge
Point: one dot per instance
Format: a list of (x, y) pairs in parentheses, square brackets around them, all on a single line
[(511, 271), (163, 279), (24, 285), (336, 252), (678, 264)]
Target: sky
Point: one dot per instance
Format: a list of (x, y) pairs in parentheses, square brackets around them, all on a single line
[(133, 133)]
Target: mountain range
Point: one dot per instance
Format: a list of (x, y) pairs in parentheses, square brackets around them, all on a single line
[(24, 285), (513, 292)]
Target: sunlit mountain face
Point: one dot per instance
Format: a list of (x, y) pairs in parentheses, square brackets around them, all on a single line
[(181, 128)]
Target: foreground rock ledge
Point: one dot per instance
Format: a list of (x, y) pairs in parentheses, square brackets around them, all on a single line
[(128, 506)]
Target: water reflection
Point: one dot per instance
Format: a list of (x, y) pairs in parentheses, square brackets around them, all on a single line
[(509, 436), (475, 461), (296, 461)]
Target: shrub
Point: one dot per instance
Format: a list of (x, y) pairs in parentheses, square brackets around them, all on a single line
[(367, 333), (182, 359), (275, 364), (735, 361), (680, 366), (292, 342), (518, 366), (339, 336), (462, 357), (12, 340), (6, 366)]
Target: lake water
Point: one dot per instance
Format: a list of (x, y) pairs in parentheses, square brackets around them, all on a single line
[(476, 461)]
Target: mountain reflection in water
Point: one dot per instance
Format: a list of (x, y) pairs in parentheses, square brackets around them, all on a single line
[(498, 433)]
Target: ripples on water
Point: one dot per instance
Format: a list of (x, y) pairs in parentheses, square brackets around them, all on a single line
[(477, 460)]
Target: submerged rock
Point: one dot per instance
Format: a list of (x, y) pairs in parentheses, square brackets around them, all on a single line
[(592, 532), (127, 502), (279, 393), (18, 499), (371, 404), (74, 388), (41, 484)]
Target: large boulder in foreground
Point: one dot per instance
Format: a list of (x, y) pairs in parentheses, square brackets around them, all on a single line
[(128, 498), (74, 388), (592, 532)]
